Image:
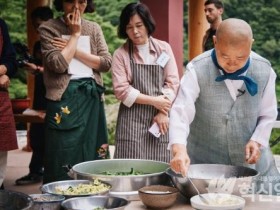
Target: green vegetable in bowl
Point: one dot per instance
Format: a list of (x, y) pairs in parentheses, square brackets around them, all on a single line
[(120, 173), (94, 187), (99, 208)]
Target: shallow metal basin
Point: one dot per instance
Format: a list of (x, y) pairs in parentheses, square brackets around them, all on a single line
[(214, 178), (82, 203), (124, 186), (51, 188)]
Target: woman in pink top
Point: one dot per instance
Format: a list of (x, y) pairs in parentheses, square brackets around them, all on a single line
[(145, 80)]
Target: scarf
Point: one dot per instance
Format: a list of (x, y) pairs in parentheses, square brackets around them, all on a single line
[(251, 85)]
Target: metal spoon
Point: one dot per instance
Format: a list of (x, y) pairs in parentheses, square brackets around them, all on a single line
[(202, 198)]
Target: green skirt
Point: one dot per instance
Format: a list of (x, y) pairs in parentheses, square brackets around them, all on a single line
[(76, 129)]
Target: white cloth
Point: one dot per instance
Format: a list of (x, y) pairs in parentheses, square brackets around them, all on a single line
[(144, 52), (3, 165), (183, 109)]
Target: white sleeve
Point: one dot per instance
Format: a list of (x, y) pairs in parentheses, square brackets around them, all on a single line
[(268, 113), (183, 109), (131, 98)]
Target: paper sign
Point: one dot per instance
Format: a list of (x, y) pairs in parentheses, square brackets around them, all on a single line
[(163, 59), (76, 67)]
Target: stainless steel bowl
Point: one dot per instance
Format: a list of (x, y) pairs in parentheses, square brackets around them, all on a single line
[(212, 178), (11, 200), (51, 187), (105, 202), (46, 201), (124, 186)]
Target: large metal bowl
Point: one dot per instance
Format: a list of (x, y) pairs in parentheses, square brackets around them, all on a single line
[(11, 200), (124, 186), (51, 188), (214, 178), (105, 202)]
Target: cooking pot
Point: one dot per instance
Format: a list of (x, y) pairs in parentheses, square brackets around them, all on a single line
[(11, 200), (214, 178), (125, 186)]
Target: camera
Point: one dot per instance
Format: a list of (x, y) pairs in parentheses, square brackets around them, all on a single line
[(23, 55)]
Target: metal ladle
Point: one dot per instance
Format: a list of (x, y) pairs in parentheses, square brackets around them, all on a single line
[(202, 198)]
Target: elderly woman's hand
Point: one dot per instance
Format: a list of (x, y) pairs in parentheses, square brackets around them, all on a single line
[(252, 152), (180, 162)]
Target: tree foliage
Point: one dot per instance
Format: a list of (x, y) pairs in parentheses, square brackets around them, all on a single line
[(262, 15), (264, 18), (14, 13)]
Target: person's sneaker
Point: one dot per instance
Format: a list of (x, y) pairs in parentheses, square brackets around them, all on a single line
[(30, 178)]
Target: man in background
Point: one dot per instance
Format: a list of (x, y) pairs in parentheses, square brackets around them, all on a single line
[(37, 130), (213, 11)]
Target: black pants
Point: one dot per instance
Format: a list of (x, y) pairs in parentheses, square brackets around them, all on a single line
[(37, 130), (37, 141)]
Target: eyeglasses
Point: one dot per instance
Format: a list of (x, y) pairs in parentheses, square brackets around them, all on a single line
[(74, 1)]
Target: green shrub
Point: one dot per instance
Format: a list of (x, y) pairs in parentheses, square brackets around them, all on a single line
[(274, 136), (17, 89)]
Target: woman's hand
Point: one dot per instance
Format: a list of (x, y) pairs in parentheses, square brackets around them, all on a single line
[(4, 81), (59, 43), (74, 22), (162, 103), (163, 122), (33, 68)]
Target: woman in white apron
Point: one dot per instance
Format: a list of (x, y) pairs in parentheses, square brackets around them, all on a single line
[(145, 80)]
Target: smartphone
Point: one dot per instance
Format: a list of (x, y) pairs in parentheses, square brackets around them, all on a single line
[(154, 129)]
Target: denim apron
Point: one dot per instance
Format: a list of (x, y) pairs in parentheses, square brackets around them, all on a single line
[(133, 139)]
